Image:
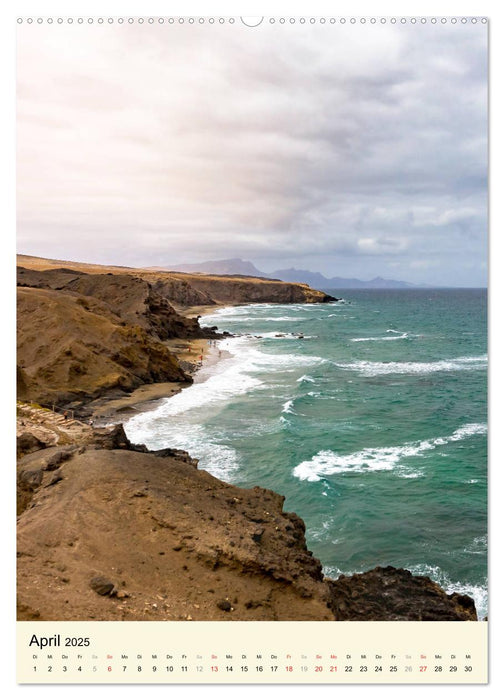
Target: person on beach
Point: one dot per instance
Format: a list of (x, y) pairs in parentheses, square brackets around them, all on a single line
[(65, 415)]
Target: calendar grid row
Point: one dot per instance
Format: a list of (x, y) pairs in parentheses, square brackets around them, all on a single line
[(151, 653)]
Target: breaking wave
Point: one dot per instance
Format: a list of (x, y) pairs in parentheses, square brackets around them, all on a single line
[(327, 462), (374, 369)]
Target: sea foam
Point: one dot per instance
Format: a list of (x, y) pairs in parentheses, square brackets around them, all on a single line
[(403, 336), (373, 369), (236, 375), (327, 462), (288, 407)]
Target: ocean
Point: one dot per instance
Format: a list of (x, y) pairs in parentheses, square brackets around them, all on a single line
[(368, 414)]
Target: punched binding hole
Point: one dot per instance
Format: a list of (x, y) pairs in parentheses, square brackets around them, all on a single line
[(251, 21)]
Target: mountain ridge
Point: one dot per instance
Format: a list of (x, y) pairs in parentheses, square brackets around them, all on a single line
[(234, 266)]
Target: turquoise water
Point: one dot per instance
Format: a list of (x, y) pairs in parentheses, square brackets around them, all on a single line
[(373, 425)]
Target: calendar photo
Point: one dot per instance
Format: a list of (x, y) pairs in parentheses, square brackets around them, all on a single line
[(251, 346)]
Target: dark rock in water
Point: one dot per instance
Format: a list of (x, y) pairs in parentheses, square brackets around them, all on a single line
[(224, 605), (387, 593), (464, 603), (101, 585)]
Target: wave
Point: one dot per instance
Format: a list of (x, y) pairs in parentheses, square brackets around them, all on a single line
[(479, 545), (237, 375), (288, 406), (282, 318), (373, 369), (244, 319), (216, 458), (327, 462), (394, 337), (306, 378)]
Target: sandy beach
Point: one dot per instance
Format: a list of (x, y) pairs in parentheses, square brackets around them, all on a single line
[(192, 355)]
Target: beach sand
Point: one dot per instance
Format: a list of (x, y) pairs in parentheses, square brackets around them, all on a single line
[(192, 354)]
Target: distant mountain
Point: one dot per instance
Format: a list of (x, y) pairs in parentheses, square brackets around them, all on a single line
[(315, 279), (237, 266), (233, 266)]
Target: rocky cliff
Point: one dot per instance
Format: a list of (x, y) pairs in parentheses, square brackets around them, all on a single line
[(123, 298), (243, 290), (87, 330), (69, 348), (81, 335), (110, 531), (186, 290)]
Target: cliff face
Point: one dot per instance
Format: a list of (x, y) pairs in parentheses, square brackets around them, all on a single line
[(185, 290), (109, 531), (81, 335), (70, 348), (242, 290), (173, 541), (85, 330), (123, 298)]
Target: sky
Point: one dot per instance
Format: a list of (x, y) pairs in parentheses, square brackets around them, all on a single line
[(355, 150)]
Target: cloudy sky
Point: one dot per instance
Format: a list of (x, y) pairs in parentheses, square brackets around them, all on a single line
[(353, 150)]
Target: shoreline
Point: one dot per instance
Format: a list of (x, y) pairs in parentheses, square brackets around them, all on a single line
[(209, 360), (330, 599), (192, 354)]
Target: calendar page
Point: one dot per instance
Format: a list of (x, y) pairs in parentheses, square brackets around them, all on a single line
[(252, 349)]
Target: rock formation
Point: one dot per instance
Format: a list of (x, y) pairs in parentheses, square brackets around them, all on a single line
[(110, 531), (88, 330), (186, 290), (72, 348)]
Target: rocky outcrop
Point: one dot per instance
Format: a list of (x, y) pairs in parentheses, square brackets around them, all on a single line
[(244, 290), (70, 348), (178, 291), (122, 298), (85, 331), (110, 531), (178, 544), (387, 593)]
